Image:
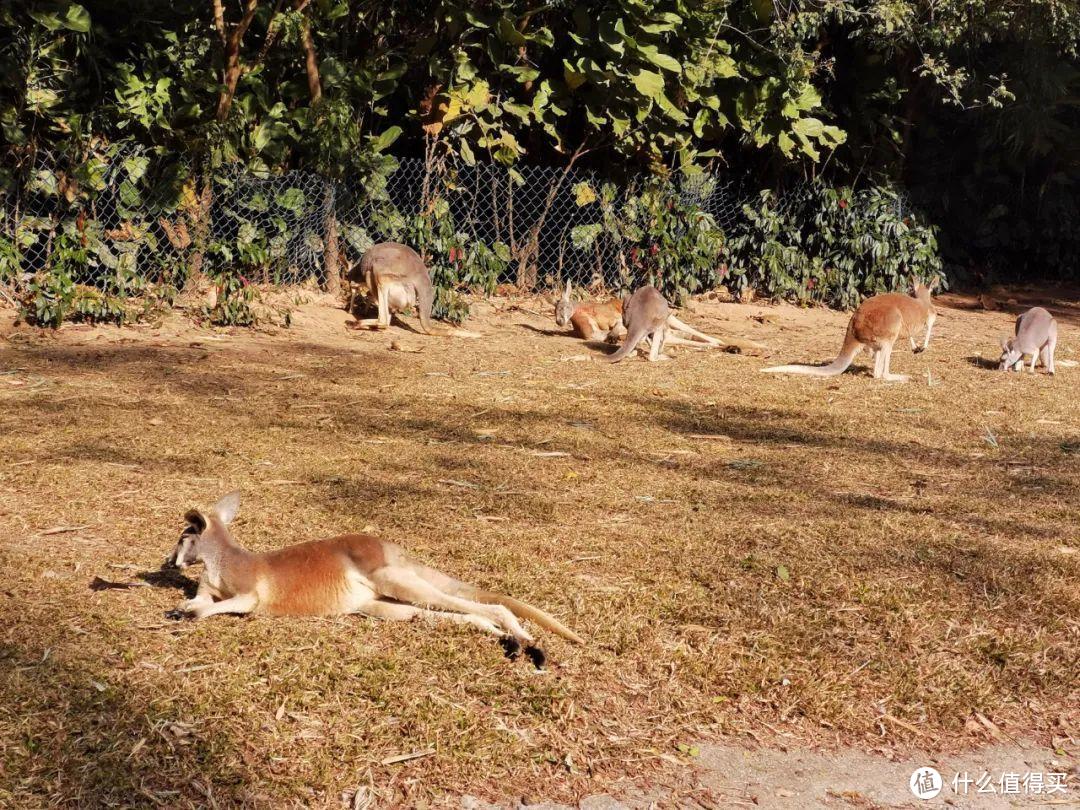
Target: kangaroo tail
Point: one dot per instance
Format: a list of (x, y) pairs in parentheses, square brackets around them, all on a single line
[(676, 324), (425, 300), (522, 611), (851, 347), (633, 338)]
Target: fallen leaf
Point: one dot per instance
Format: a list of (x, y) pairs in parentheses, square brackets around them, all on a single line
[(63, 530), (406, 757)]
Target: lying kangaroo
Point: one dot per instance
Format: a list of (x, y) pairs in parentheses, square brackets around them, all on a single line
[(351, 573), (1036, 334), (603, 320), (590, 321), (645, 313), (396, 277), (878, 323)]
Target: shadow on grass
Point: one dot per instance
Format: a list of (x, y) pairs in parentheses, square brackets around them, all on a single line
[(89, 736)]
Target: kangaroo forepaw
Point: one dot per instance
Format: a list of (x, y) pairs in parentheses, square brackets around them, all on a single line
[(511, 647), (918, 350), (536, 655), (175, 615)]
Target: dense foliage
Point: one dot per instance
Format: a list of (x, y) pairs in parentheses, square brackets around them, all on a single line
[(967, 106)]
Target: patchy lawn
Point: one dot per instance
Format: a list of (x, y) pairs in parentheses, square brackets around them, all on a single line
[(840, 560)]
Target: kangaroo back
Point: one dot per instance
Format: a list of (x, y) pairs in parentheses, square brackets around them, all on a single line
[(643, 313)]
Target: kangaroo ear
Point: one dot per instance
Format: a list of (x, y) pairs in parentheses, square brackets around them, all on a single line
[(227, 507), (195, 520), (566, 292), (1004, 341)]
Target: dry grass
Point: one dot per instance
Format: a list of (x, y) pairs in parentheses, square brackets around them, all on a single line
[(839, 560)]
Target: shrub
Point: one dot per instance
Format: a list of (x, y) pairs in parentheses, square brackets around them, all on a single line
[(821, 245), (829, 245)]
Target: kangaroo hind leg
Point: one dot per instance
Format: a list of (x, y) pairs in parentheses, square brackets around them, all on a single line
[(399, 612), (408, 586), (886, 375)]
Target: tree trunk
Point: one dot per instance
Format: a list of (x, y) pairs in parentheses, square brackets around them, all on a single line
[(311, 58), (331, 257), (231, 41)]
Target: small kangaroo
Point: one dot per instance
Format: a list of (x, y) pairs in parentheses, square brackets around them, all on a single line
[(645, 313), (603, 320), (878, 323), (1036, 334), (396, 277), (350, 573)]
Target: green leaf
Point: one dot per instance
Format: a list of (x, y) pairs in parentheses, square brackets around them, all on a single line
[(76, 18), (583, 236), (661, 60), (508, 33), (783, 573), (649, 83), (724, 66), (467, 153), (809, 127), (291, 199), (386, 138), (584, 194), (572, 76)]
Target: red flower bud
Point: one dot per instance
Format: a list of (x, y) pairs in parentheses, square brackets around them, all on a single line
[(843, 203), (653, 250)]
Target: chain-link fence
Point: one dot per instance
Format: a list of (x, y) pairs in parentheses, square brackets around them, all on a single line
[(123, 220)]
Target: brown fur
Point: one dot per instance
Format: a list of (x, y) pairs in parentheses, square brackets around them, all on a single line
[(396, 278), (604, 320), (877, 324), (592, 321), (645, 314), (350, 573)]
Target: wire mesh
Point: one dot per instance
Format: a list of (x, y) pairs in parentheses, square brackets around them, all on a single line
[(153, 219)]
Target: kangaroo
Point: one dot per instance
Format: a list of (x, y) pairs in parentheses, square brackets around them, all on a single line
[(878, 323), (350, 573), (589, 321), (396, 277), (1036, 334), (603, 320), (645, 313)]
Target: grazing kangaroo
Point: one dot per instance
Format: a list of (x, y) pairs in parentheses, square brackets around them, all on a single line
[(878, 323), (351, 573), (603, 320), (395, 276), (645, 313), (1036, 334)]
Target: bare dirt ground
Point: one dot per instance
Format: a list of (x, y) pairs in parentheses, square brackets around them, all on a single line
[(794, 591)]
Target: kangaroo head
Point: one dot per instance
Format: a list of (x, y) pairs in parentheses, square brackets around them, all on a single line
[(204, 531), (564, 307), (921, 289), (1009, 355)]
